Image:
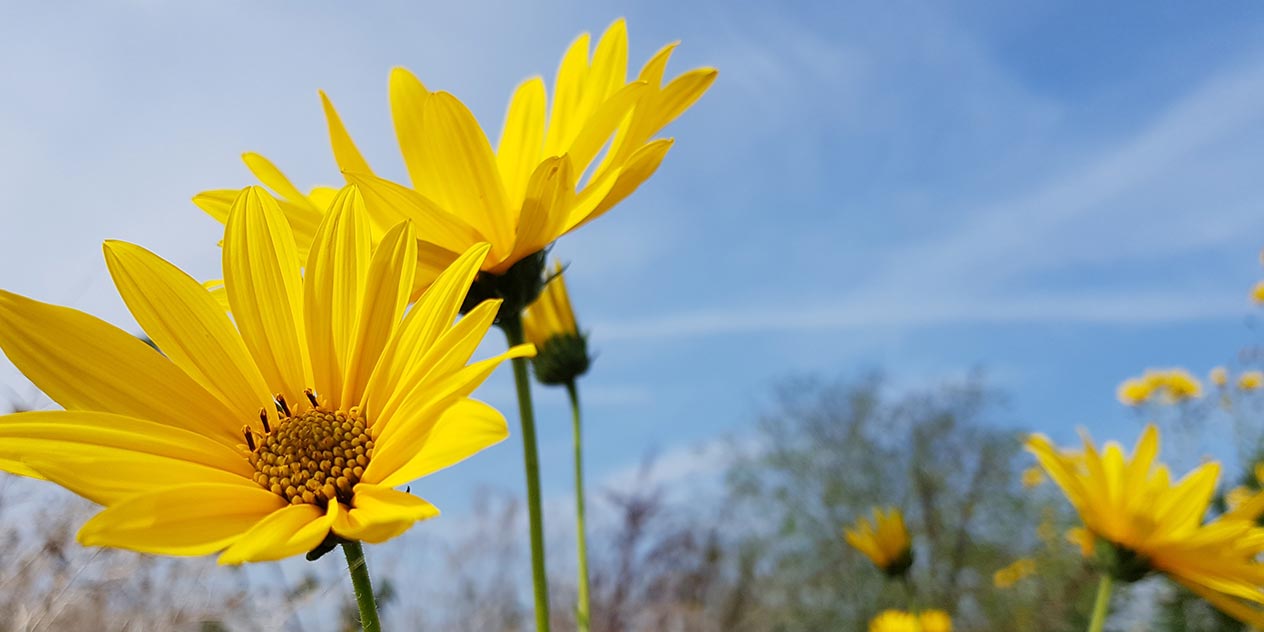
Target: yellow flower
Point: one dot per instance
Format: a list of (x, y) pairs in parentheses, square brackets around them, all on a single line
[(1251, 380), (1171, 386), (1032, 477), (1180, 385), (884, 540), (1257, 292), (1219, 376), (1017, 571), (262, 435), (1134, 392), (532, 188), (1136, 521), (935, 621), (900, 621), (551, 314), (549, 323)]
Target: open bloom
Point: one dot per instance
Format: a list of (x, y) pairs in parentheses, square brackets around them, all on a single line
[(532, 188), (900, 621), (549, 324), (262, 435), (1137, 521), (884, 540)]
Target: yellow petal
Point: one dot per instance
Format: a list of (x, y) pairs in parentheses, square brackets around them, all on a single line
[(84, 363), (432, 260), (186, 322), (106, 457), (284, 533), (272, 178), (386, 293), (392, 204), (595, 201), (568, 89), (408, 97), (601, 124), (461, 173), (609, 63), (521, 138), (216, 203), (265, 290), (429, 317), (418, 413), (545, 209), (184, 520), (333, 286), (345, 152), (660, 108), (380, 513), (447, 355), (463, 430)]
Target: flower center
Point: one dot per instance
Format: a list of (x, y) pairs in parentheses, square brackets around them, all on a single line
[(315, 457)]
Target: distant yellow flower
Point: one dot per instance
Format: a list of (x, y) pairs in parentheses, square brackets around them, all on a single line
[(549, 323), (1257, 292), (935, 621), (1017, 571), (1251, 380), (1033, 476), (1134, 392), (551, 172), (884, 540), (1219, 376), (1170, 386), (1137, 521), (1180, 385), (900, 621), (264, 434), (551, 314)]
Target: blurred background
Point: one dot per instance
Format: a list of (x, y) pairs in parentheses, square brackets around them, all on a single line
[(892, 237)]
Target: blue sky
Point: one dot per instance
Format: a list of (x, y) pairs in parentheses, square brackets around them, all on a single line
[(1058, 193)]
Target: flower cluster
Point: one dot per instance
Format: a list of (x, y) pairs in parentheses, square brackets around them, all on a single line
[(1168, 386)]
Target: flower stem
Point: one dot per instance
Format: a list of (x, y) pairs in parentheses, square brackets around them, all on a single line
[(512, 324), (363, 587), (581, 607), (1101, 605)]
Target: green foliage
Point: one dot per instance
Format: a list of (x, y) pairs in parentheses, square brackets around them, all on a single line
[(830, 452)]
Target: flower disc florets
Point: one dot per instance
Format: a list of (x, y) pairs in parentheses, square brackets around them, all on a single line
[(315, 457)]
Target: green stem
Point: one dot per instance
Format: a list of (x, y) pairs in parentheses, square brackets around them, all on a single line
[(1101, 605), (512, 325), (909, 592), (581, 607), (363, 587)]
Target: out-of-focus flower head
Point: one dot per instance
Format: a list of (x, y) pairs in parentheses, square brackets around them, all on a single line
[(884, 540)]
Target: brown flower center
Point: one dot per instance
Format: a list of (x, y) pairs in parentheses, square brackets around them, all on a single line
[(315, 457)]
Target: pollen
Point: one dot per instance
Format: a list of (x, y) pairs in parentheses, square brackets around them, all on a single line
[(314, 457)]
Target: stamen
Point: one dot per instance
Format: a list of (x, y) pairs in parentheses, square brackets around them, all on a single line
[(311, 397), (285, 408), (316, 457), (250, 438)]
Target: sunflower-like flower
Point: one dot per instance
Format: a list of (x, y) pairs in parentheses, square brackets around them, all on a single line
[(532, 188), (1136, 521), (549, 324), (272, 436), (900, 621), (884, 540)]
